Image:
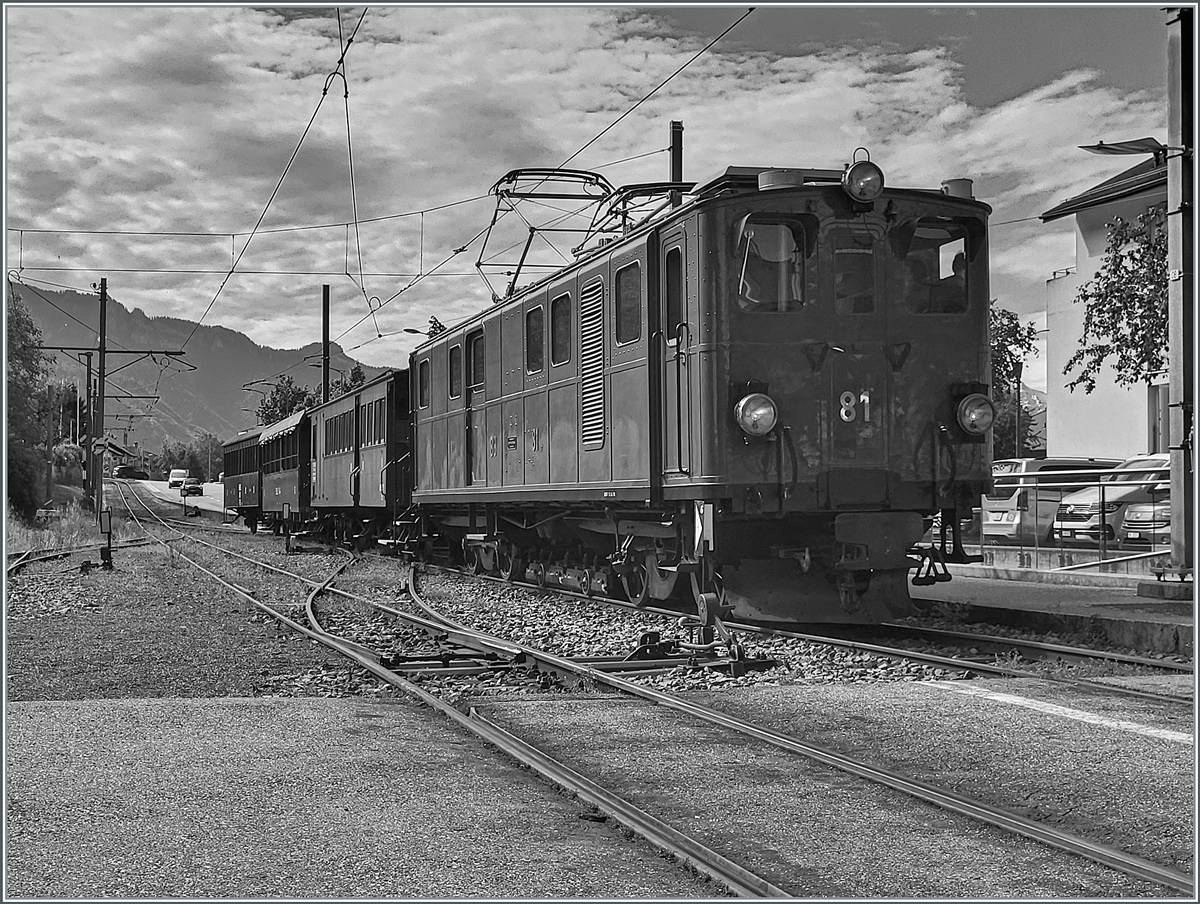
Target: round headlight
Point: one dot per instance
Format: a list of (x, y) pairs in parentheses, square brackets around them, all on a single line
[(756, 414), (863, 181), (976, 413)]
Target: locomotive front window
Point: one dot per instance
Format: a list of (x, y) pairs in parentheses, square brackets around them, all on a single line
[(535, 341), (455, 371), (772, 261), (560, 330), (933, 278), (853, 271), (629, 304)]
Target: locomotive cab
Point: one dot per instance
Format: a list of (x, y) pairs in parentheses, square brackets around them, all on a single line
[(840, 329)]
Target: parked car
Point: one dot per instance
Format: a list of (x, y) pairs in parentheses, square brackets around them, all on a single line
[(1026, 493), (129, 472), (1147, 525), (1079, 520), (192, 486), (176, 478)]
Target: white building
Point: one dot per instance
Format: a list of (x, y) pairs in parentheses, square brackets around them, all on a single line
[(1112, 421)]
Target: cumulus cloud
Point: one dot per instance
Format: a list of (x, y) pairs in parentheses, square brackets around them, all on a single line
[(188, 128)]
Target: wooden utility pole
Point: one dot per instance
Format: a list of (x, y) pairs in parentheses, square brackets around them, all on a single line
[(1181, 73)]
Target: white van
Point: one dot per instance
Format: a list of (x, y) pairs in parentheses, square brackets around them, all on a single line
[(176, 478)]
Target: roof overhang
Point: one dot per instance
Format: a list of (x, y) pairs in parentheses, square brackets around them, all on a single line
[(282, 428), (1145, 177)]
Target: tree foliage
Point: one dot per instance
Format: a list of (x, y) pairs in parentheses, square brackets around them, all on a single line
[(1126, 306), (285, 398), (1011, 343), (26, 367)]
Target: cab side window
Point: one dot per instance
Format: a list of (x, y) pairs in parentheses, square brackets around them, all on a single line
[(629, 304), (560, 330), (535, 342)]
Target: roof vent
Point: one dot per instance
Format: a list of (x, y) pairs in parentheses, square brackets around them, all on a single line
[(781, 178), (958, 188)]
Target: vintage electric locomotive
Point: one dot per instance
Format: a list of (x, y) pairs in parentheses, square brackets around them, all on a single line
[(765, 390), (757, 396)]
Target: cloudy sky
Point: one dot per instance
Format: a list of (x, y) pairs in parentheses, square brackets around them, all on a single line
[(127, 126)]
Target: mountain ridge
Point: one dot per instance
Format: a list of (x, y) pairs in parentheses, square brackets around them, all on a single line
[(202, 391)]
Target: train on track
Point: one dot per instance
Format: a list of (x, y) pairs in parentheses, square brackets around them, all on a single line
[(759, 393)]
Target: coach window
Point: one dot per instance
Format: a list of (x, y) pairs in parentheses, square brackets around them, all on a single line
[(560, 330), (423, 384), (629, 304), (774, 261), (455, 371), (535, 341), (674, 295), (476, 373)]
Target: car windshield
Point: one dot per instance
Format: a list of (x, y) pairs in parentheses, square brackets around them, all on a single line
[(1135, 473)]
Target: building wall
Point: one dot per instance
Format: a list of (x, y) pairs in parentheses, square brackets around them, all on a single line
[(1112, 421)]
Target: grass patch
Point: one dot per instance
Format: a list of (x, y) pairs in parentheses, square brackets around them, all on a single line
[(75, 527)]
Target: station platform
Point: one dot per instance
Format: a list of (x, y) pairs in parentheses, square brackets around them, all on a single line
[(1105, 606)]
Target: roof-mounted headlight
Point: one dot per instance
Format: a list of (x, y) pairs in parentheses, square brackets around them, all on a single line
[(756, 414), (863, 181), (976, 413)]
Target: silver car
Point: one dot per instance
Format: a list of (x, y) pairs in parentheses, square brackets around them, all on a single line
[(1083, 518)]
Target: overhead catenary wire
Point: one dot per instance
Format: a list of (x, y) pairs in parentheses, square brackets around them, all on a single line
[(279, 184), (660, 85)]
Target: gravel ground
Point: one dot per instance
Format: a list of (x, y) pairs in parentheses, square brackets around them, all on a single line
[(295, 799), (816, 831)]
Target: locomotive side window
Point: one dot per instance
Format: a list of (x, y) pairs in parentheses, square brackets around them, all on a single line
[(423, 384), (773, 254), (455, 371), (853, 271), (934, 274), (629, 304), (476, 373), (560, 330), (535, 341), (674, 295)]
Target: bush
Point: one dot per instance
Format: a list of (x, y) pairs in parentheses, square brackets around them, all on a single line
[(26, 481)]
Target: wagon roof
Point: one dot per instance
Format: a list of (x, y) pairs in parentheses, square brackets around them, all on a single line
[(244, 436), (282, 428)]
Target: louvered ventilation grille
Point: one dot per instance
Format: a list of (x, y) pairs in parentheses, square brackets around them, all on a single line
[(591, 365)]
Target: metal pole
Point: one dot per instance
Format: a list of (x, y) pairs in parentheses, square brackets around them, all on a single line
[(1180, 300), (89, 457), (325, 343), (676, 145), (98, 428), (1017, 444)]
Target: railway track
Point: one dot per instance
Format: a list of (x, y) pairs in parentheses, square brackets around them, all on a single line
[(971, 662), (477, 651)]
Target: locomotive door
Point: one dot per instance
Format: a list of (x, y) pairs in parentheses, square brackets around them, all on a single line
[(858, 392), (675, 344), (476, 413)]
